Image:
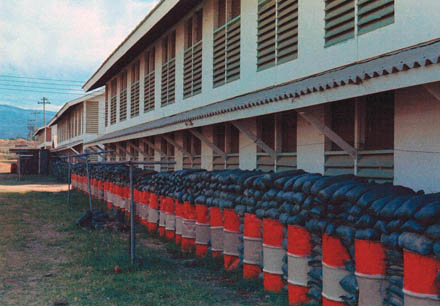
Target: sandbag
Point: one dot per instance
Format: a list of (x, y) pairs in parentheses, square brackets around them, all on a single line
[(415, 243)]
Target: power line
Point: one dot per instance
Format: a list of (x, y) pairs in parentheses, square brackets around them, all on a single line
[(41, 91), (44, 79), (41, 87), (42, 83)]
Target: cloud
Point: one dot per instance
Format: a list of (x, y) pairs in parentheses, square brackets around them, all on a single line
[(64, 38)]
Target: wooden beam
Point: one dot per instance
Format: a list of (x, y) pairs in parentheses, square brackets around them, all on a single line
[(433, 90), (329, 133), (206, 141), (176, 145), (258, 141), (153, 146), (124, 154)]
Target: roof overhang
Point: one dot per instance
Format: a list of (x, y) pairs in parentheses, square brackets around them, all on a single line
[(403, 64), (67, 146), (72, 103), (162, 17), (39, 130)]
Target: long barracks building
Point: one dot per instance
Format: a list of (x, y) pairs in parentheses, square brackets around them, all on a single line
[(328, 86)]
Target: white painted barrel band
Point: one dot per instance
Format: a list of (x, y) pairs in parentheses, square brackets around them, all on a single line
[(372, 291), (153, 215), (189, 228), (410, 300), (162, 218), (203, 233), (170, 222), (253, 251), (273, 259), (230, 243), (331, 276), (420, 295), (179, 225), (370, 276), (298, 269), (217, 238)]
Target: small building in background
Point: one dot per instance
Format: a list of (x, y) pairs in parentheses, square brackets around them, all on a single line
[(76, 123), (43, 138)]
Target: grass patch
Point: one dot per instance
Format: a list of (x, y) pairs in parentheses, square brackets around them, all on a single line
[(48, 258)]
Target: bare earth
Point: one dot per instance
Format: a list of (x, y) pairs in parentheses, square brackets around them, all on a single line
[(9, 183)]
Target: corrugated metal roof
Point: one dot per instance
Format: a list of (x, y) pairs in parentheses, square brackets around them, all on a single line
[(353, 74)]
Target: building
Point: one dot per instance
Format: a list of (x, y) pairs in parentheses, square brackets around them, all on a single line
[(43, 138), (76, 123), (327, 86)]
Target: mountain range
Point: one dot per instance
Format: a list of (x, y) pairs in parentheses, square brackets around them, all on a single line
[(14, 120)]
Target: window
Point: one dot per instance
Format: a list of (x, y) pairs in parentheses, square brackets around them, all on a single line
[(123, 97), (168, 69), (277, 32), (114, 87), (340, 18), (226, 62), (342, 121), (134, 90), (374, 14), (149, 79), (379, 121), (192, 67), (106, 105), (339, 21)]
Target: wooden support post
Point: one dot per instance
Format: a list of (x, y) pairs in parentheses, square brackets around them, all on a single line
[(258, 141), (329, 133), (121, 148)]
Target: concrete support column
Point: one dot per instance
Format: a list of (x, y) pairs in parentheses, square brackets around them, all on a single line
[(248, 148), (178, 155), (207, 152), (311, 143)]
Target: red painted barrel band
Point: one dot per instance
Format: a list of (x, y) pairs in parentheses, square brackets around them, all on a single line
[(334, 254), (252, 226), (272, 232)]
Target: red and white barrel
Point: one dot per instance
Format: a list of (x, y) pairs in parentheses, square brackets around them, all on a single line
[(126, 200), (334, 256), (203, 233), (100, 190), (162, 216), (137, 204), (106, 195), (298, 252), (179, 221), (273, 253), (153, 212), (231, 239), (142, 208), (216, 229), (170, 221), (420, 284), (188, 227), (253, 246), (117, 196), (370, 272)]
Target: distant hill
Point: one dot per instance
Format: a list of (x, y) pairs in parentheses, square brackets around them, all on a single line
[(14, 121)]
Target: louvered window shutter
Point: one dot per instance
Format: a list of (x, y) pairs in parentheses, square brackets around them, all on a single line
[(373, 14), (149, 79), (287, 30), (266, 34), (339, 21)]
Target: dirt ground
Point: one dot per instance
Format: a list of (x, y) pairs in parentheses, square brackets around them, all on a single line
[(10, 183)]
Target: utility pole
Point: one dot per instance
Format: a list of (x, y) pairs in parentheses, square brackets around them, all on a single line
[(44, 102), (35, 116)]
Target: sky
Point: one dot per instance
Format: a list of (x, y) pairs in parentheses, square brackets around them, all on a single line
[(49, 48)]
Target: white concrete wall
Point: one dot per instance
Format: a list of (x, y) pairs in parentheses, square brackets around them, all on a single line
[(414, 23), (417, 140), (311, 142)]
